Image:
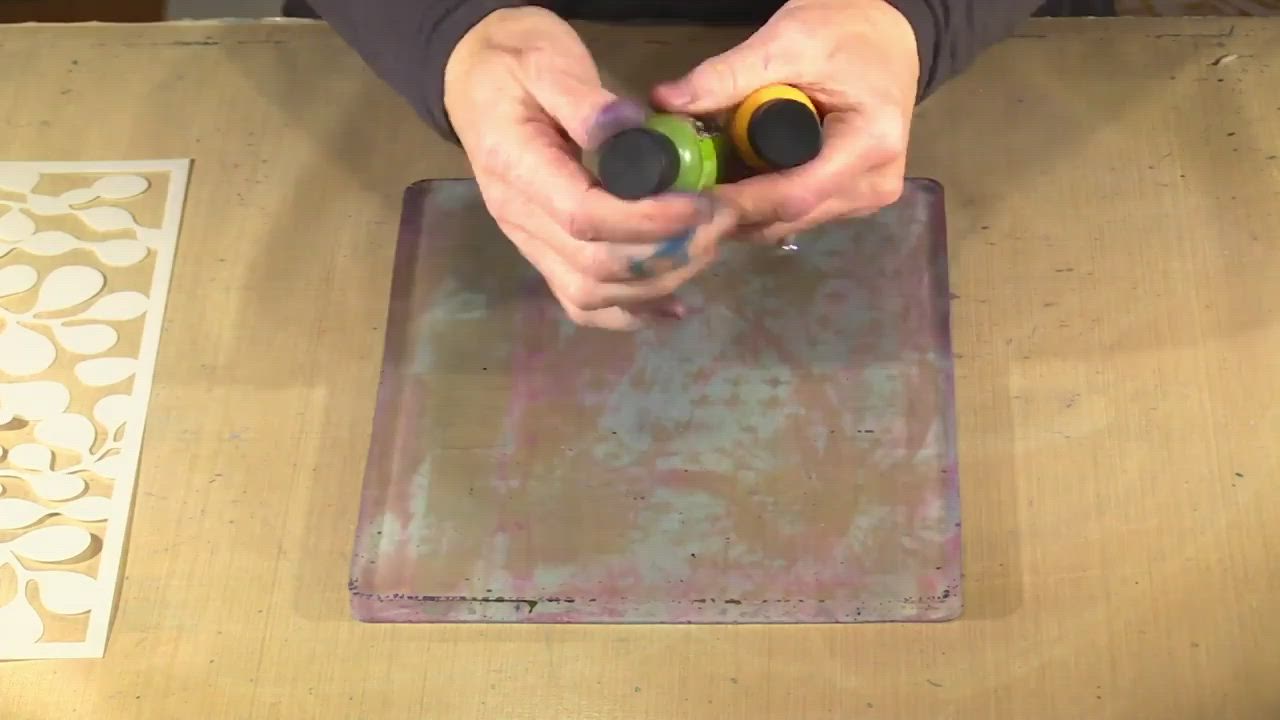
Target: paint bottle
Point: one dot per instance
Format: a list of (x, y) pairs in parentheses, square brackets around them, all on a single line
[(776, 128), (669, 153)]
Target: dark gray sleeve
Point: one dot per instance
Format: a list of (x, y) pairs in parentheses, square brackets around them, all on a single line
[(951, 33), (407, 43)]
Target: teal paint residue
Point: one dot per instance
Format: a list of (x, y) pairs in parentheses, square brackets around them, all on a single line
[(449, 304), (882, 386), (676, 524), (551, 576), (389, 536), (566, 329), (492, 566), (928, 452), (819, 435), (454, 196), (714, 411), (863, 531), (419, 528)]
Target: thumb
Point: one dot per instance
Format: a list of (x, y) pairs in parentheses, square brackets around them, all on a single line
[(719, 82)]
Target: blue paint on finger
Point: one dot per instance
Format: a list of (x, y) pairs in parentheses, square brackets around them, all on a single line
[(676, 249), (671, 254)]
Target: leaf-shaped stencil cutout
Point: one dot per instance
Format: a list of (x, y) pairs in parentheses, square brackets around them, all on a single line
[(67, 287), (86, 339), (79, 196), (107, 218), (93, 508), (119, 187), (16, 279), (20, 624), (116, 307), (25, 352), (151, 236), (113, 467), (101, 372), (69, 431), (121, 252), (16, 513), (17, 178), (56, 486), (66, 593), (46, 205), (15, 225), (112, 411), (34, 400), (50, 242), (30, 456), (52, 544)]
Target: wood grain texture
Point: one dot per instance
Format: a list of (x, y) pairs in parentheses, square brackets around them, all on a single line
[(1112, 196)]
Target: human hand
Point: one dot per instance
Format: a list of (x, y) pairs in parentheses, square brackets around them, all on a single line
[(524, 96), (857, 60)]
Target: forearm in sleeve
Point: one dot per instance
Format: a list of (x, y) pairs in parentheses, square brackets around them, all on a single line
[(407, 43), (951, 33)]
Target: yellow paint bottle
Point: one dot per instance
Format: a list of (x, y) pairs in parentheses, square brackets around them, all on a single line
[(776, 128)]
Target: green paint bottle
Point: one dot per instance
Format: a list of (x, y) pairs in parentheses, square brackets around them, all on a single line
[(669, 153)]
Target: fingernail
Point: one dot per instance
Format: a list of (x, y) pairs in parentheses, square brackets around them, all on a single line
[(669, 308), (674, 310)]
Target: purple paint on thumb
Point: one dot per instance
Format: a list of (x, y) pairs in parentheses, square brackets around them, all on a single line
[(613, 118)]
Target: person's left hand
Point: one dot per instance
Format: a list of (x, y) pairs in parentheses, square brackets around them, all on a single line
[(857, 60)]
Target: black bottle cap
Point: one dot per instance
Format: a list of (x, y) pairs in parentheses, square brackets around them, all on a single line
[(637, 163), (785, 133)]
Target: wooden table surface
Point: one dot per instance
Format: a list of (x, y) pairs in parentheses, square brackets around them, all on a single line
[(1114, 194)]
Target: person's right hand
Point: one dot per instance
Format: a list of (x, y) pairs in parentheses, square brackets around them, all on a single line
[(524, 96)]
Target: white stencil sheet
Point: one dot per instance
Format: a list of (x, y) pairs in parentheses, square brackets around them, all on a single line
[(86, 254)]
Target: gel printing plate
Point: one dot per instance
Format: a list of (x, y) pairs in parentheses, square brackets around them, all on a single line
[(786, 454)]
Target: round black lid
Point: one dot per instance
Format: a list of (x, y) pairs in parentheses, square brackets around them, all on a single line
[(785, 133), (637, 163)]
